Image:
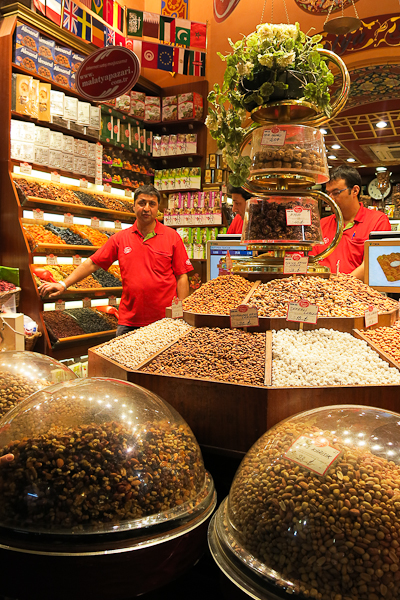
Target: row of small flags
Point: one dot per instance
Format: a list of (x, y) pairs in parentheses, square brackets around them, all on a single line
[(138, 23)]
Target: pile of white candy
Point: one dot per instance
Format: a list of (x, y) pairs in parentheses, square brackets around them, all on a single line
[(326, 357), (133, 348)]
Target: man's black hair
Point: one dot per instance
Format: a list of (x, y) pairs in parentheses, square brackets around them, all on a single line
[(239, 190), (351, 176), (150, 190)]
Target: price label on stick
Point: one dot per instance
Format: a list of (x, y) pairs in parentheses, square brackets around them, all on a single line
[(176, 308), (294, 262), (117, 225), (94, 222), (51, 259), (371, 316), (107, 188), (302, 312), (128, 193), (313, 453), (87, 303), (55, 177), (298, 216), (83, 183), (25, 168), (68, 219), (60, 305), (38, 214), (76, 260), (244, 316), (112, 301)]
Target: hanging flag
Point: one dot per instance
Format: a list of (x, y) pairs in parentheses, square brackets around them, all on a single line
[(109, 36), (134, 22), (97, 7), (149, 55), (198, 35), (40, 6), (167, 29), (85, 26), (119, 39), (97, 33), (179, 61), (70, 16), (119, 17), (53, 11), (135, 46), (151, 24), (182, 32), (165, 57), (197, 63), (108, 11)]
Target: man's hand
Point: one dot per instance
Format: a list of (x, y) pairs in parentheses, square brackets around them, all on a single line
[(6, 459), (52, 290)]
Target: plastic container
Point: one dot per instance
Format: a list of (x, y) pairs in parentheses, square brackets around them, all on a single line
[(314, 508)]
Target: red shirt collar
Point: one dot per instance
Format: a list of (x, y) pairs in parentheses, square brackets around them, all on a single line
[(158, 229)]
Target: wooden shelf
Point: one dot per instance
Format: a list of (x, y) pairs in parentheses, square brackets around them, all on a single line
[(46, 169), (87, 336), (54, 127), (40, 248), (196, 154), (80, 210)]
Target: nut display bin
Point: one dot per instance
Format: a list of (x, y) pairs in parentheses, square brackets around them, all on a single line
[(107, 477), (314, 508)]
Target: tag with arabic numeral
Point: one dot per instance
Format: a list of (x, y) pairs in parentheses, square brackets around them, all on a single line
[(94, 222), (55, 177), (244, 316), (87, 303), (51, 259), (302, 312), (76, 260), (112, 301), (38, 214), (60, 305), (176, 308), (298, 216), (68, 219), (295, 263), (25, 168), (107, 188), (117, 224), (371, 316), (313, 453), (83, 183)]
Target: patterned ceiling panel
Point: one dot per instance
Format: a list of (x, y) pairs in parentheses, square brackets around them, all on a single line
[(369, 84), (322, 6)]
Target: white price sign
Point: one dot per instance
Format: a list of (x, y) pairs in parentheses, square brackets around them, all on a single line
[(112, 301), (55, 177), (68, 219), (25, 168), (244, 316), (177, 309), (117, 225), (298, 216), (128, 193), (273, 137), (83, 183), (94, 222), (302, 312), (313, 453), (76, 260), (107, 188), (295, 263), (38, 214), (51, 259), (87, 303), (60, 305), (371, 316)]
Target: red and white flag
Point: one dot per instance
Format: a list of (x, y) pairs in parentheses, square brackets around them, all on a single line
[(53, 11), (149, 55), (40, 6)]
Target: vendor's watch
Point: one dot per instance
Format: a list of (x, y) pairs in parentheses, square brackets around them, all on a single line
[(63, 284)]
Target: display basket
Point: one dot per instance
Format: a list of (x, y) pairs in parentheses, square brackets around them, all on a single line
[(30, 340), (5, 296)]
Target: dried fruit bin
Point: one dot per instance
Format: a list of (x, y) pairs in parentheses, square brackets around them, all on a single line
[(124, 485), (313, 501)]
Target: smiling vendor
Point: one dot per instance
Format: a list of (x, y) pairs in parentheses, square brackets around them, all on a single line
[(344, 187)]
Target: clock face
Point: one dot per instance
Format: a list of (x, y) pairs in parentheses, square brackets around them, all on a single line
[(374, 191)]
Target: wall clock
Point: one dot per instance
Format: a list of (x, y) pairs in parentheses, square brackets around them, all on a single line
[(374, 191)]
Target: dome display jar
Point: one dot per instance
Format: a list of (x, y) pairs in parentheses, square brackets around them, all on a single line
[(107, 493), (314, 509)]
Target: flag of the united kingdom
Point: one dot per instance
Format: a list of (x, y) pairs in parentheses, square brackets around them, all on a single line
[(71, 14), (109, 36)]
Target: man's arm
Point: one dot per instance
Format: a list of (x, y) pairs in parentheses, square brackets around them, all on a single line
[(359, 272), (182, 286), (52, 290)]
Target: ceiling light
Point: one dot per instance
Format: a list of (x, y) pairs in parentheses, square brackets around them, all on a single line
[(323, 131), (351, 160), (332, 156), (381, 169), (381, 124), (336, 147)]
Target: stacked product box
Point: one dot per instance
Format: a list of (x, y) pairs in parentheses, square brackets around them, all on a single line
[(178, 179), (122, 131), (196, 238), (175, 144), (152, 109), (170, 108), (194, 208), (190, 106)]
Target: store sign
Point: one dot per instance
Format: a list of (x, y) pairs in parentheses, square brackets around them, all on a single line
[(371, 316), (176, 309), (295, 262), (302, 312), (224, 8), (313, 453), (298, 216), (244, 316), (108, 73)]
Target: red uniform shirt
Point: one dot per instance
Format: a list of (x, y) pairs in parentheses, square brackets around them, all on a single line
[(236, 226), (350, 250), (148, 268)]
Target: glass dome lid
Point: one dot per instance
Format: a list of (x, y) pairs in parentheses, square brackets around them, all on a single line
[(314, 508), (97, 456)]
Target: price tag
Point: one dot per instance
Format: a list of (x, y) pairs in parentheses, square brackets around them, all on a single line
[(313, 453), (60, 305), (128, 193), (371, 316), (94, 222), (244, 316), (294, 262), (117, 225), (83, 183), (298, 216), (55, 177), (68, 218), (302, 312), (38, 214), (177, 308), (112, 301), (273, 137), (25, 168), (87, 303), (107, 188), (51, 259)]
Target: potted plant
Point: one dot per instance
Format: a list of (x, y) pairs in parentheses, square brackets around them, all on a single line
[(272, 63)]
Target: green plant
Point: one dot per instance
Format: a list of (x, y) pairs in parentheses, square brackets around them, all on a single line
[(253, 72)]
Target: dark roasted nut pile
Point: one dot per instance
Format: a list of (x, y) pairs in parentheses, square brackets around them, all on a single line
[(60, 324), (89, 199), (110, 318), (14, 388), (89, 476), (291, 158), (112, 203), (342, 296), (229, 355), (219, 295), (90, 320), (67, 235), (333, 536), (267, 221), (106, 279)]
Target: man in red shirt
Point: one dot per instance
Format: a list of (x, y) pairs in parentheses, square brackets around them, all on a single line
[(239, 197), (153, 262), (344, 187)]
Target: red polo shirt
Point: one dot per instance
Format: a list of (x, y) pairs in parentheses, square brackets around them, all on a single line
[(350, 250), (236, 226), (148, 268)]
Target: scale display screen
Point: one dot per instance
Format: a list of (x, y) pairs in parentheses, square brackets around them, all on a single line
[(217, 253), (382, 265)]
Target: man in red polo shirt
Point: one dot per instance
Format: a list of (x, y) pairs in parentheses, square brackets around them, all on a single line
[(153, 262), (345, 187), (239, 197)]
